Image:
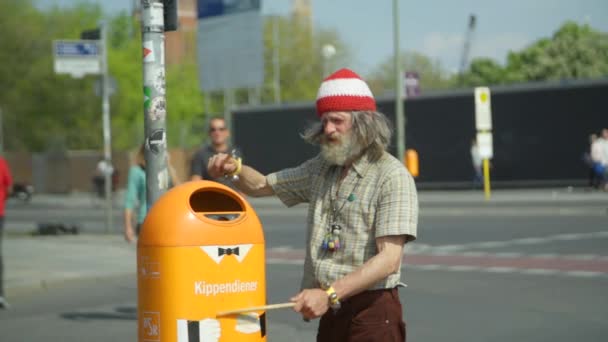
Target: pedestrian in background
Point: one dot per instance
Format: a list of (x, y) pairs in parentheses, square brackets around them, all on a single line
[(218, 143), (599, 155), (135, 195), (592, 159), (476, 162), (6, 184), (363, 208)]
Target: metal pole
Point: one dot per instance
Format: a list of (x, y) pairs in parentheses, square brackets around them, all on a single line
[(153, 40), (399, 115), (228, 103), (107, 133), (275, 60)]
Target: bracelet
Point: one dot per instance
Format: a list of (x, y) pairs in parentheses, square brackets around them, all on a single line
[(334, 301)]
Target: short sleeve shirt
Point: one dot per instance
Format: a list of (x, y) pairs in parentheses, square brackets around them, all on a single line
[(136, 192), (376, 198), (199, 162)]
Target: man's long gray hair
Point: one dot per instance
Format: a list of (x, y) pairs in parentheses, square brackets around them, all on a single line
[(372, 130)]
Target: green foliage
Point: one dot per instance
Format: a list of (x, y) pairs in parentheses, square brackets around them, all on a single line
[(301, 64), (574, 52), (432, 75), (37, 104), (41, 109)]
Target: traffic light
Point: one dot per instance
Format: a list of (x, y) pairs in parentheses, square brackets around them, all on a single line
[(94, 34), (170, 15)]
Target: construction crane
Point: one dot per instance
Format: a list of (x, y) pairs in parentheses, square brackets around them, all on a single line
[(464, 61)]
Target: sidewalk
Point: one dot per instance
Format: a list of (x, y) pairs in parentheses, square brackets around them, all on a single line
[(33, 263), (37, 263)]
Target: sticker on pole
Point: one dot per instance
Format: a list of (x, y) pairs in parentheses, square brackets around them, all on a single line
[(484, 144), (156, 79), (157, 141), (483, 109), (153, 15), (147, 97), (148, 51), (158, 109)]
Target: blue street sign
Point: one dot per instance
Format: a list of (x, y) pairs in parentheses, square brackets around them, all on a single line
[(76, 49)]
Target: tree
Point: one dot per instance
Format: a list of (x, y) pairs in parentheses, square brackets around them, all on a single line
[(574, 52), (39, 105), (432, 75), (482, 72), (301, 64), (41, 108)]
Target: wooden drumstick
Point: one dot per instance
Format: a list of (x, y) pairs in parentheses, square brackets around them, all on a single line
[(256, 308)]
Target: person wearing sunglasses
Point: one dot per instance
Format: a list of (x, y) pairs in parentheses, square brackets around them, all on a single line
[(218, 143)]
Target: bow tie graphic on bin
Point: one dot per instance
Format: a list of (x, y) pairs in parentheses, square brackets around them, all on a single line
[(228, 251), (207, 246)]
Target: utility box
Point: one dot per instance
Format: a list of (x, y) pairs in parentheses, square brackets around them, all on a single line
[(200, 251)]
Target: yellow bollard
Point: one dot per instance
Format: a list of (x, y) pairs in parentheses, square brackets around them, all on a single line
[(486, 178)]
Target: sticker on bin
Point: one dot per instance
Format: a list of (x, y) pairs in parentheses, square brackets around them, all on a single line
[(151, 326), (149, 268), (198, 331), (210, 329)]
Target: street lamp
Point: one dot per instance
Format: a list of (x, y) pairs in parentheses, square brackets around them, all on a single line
[(327, 52)]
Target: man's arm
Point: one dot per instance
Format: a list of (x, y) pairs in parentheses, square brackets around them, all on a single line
[(128, 225), (313, 303), (379, 267), (250, 182)]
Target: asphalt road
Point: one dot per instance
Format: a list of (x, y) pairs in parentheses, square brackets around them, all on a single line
[(515, 271)]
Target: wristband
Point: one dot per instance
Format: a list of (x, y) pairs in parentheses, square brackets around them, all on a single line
[(334, 301)]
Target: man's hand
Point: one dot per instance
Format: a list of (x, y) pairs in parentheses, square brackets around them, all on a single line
[(311, 303), (221, 164)]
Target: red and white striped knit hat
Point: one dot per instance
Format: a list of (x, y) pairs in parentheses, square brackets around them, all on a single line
[(344, 91)]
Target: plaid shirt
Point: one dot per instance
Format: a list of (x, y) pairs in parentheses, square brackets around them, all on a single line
[(377, 198)]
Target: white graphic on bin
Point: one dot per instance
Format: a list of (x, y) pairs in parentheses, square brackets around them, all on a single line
[(149, 268), (151, 326)]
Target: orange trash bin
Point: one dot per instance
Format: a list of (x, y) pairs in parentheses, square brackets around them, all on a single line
[(200, 251)]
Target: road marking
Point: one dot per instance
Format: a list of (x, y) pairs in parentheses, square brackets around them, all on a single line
[(529, 241), (586, 274), (573, 265), (539, 271), (463, 268), (500, 269), (508, 255)]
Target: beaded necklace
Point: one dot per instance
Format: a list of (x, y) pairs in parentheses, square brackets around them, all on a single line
[(331, 241)]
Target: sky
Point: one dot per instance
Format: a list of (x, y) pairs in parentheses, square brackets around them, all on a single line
[(435, 28)]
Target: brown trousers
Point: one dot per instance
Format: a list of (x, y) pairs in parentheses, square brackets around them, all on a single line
[(371, 316)]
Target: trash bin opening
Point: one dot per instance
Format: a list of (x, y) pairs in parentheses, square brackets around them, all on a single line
[(216, 205)]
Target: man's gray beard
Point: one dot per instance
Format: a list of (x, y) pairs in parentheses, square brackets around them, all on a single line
[(339, 153)]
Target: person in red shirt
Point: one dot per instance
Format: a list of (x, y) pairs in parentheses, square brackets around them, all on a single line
[(6, 185)]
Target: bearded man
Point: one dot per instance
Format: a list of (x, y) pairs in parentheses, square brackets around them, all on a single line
[(363, 209)]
